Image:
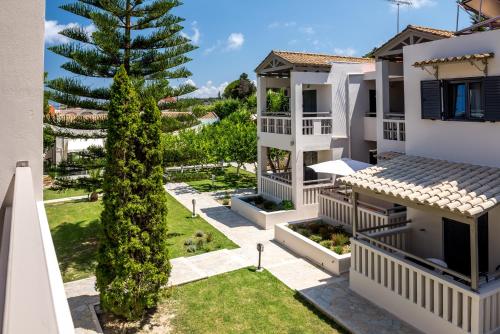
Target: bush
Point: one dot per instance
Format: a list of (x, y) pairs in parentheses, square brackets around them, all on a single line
[(210, 237), (268, 205), (200, 243), (225, 108), (303, 231), (316, 238), (325, 232), (338, 249), (199, 234), (192, 249), (259, 200), (189, 242), (340, 239), (326, 243), (225, 201), (287, 205)]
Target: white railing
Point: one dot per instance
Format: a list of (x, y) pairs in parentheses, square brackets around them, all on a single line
[(428, 300), (35, 301), (278, 125), (338, 209), (275, 188), (394, 130), (313, 126), (311, 193)]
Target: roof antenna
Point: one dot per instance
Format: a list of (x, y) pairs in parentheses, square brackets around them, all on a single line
[(400, 3)]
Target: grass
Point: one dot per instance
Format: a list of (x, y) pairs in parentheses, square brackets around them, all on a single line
[(49, 194), (226, 180), (242, 301), (75, 226)]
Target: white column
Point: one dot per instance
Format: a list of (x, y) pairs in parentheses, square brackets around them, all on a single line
[(261, 94), (261, 151), (261, 164), (383, 105), (297, 151)]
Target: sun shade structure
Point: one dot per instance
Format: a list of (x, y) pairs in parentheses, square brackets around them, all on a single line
[(341, 167), (464, 189), (457, 59)]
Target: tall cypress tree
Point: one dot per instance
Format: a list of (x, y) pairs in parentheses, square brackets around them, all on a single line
[(132, 259), (142, 35)]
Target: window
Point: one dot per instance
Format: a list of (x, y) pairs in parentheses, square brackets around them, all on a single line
[(279, 126), (465, 100), (271, 125), (288, 126), (402, 131)]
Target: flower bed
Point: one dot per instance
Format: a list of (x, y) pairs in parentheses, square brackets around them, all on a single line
[(268, 206), (324, 244)]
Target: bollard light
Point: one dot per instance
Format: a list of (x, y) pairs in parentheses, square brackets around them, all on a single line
[(194, 208), (260, 249), (213, 180)]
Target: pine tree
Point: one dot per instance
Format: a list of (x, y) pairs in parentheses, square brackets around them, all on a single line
[(142, 35), (132, 258)]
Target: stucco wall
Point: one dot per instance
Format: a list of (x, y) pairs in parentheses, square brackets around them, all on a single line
[(472, 142), (21, 90)]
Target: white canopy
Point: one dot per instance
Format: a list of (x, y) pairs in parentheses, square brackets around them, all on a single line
[(341, 167)]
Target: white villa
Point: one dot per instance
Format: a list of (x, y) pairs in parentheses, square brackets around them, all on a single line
[(426, 108)]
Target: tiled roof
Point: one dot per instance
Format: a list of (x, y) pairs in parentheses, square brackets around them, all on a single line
[(175, 114), (315, 59), (209, 115), (437, 32), (466, 189), (457, 59)]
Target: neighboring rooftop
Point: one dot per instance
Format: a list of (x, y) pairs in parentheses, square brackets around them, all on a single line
[(465, 189), (209, 115)]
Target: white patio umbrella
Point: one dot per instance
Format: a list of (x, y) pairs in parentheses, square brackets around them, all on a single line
[(340, 167)]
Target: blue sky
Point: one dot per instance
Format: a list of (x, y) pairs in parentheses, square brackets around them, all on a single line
[(235, 35)]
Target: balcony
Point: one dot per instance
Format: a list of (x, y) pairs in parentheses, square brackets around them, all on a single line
[(277, 125), (316, 125), (370, 127)]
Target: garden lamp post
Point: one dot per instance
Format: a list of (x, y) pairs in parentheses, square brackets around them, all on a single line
[(260, 249), (194, 208), (213, 181)]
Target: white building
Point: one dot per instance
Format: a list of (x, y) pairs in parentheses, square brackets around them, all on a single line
[(439, 269), (32, 297)]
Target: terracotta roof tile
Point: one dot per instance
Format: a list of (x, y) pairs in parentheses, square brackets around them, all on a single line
[(456, 59), (461, 188), (315, 59)]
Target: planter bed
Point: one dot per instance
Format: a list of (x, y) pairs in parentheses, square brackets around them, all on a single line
[(312, 239), (247, 207)]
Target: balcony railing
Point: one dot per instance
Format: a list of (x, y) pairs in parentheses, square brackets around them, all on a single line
[(35, 300), (316, 126), (428, 299), (282, 126), (277, 186)]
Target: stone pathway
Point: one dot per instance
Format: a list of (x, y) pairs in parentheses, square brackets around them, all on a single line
[(65, 199), (329, 293)]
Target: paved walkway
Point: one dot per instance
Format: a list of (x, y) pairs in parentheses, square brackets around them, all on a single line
[(65, 199), (329, 293)]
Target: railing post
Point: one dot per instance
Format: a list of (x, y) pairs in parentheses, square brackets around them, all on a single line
[(474, 255), (354, 200)]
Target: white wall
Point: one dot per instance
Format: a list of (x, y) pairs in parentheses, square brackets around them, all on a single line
[(21, 90), (471, 142)]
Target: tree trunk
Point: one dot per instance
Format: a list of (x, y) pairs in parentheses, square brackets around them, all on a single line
[(287, 166), (270, 161)]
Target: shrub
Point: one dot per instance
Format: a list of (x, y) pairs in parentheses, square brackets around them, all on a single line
[(210, 237), (287, 205), (200, 243), (325, 232), (303, 231), (340, 239), (338, 249), (192, 249), (326, 243), (225, 201), (259, 200), (268, 205), (316, 238), (314, 227), (225, 108), (199, 234), (189, 242)]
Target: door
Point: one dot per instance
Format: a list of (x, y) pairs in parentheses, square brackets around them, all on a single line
[(456, 240), (309, 102), (310, 158)]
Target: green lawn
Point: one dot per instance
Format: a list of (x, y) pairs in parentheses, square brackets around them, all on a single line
[(54, 194), (244, 302), (75, 226), (226, 180)]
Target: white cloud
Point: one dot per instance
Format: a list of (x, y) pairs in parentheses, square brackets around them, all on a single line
[(345, 52), (52, 29), (207, 90), (278, 24), (416, 4), (195, 37), (235, 41), (308, 30)]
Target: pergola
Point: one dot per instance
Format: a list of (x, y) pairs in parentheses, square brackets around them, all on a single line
[(457, 191)]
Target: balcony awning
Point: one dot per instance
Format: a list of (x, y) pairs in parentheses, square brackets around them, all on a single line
[(457, 59), (464, 189), (340, 167)]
